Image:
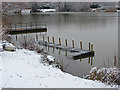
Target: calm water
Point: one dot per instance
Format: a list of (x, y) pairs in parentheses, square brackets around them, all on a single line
[(101, 29)]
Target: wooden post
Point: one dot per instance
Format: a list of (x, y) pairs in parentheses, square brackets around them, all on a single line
[(80, 59), (89, 57), (89, 46), (59, 41), (43, 38), (89, 60), (114, 60), (65, 53), (53, 39), (73, 43), (66, 42), (80, 44), (48, 48), (53, 50), (36, 37), (48, 38)]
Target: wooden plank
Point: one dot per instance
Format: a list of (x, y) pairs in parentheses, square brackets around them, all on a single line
[(82, 55), (19, 28), (27, 31), (24, 28), (77, 53)]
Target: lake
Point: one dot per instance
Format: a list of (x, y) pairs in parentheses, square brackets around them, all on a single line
[(101, 29)]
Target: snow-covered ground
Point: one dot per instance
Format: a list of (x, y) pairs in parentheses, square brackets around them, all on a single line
[(47, 10), (0, 66), (23, 69), (0, 71), (26, 11)]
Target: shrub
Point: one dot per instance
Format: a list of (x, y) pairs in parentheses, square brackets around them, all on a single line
[(107, 75)]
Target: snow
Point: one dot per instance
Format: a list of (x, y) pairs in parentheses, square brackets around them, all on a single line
[(1, 47), (23, 69), (25, 11), (47, 10), (9, 46), (94, 69), (50, 58), (118, 10), (6, 46)]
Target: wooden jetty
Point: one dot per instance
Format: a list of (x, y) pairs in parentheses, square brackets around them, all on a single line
[(77, 53), (26, 28)]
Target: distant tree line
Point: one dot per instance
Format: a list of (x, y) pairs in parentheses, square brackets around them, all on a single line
[(59, 6), (72, 6)]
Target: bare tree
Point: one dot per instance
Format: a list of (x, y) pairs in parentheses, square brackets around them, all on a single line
[(34, 6), (9, 8)]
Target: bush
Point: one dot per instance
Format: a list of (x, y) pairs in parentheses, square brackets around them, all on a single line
[(50, 60), (107, 75)]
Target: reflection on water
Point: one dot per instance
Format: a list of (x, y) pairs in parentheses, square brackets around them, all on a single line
[(100, 30)]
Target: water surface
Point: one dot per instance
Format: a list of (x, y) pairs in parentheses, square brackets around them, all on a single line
[(101, 29)]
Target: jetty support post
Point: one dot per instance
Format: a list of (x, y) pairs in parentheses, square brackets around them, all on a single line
[(66, 42), (89, 46), (89, 57), (43, 38), (73, 43), (92, 51), (114, 60), (53, 40), (48, 49), (36, 37), (48, 39), (80, 44), (53, 49), (59, 41)]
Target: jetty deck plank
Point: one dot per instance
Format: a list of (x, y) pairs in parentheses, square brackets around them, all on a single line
[(26, 30), (76, 52), (19, 28)]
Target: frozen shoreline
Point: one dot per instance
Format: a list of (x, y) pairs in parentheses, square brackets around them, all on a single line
[(23, 69)]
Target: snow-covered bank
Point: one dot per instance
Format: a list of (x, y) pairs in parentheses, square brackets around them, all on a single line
[(26, 11), (22, 69), (0, 70)]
